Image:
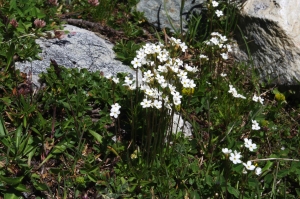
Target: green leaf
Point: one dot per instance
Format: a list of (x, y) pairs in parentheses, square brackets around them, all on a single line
[(195, 195), (267, 166), (12, 181), (13, 5), (208, 180), (40, 186), (92, 178), (233, 191), (21, 188), (18, 136), (96, 135), (253, 182), (12, 196), (282, 173), (62, 146)]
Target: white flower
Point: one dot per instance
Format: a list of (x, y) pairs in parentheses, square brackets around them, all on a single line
[(149, 92), (255, 125), (116, 80), (258, 99), (223, 38), (146, 103), (172, 88), (136, 63), (215, 34), (229, 49), (235, 157), (232, 90), (282, 148), (247, 142), (223, 74), (203, 57), (160, 79), (261, 100), (219, 13), (249, 166), (162, 69), (224, 55), (255, 98), (215, 4), (182, 74), (157, 104), (190, 68), (128, 81), (258, 171), (185, 83), (214, 40), (114, 111), (183, 47), (116, 106), (226, 151), (148, 74), (252, 146), (192, 84)]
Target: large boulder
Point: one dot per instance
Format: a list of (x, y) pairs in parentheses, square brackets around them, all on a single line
[(79, 48), (272, 32), (166, 13)]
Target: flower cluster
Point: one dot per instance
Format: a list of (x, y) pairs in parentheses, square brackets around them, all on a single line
[(235, 157), (234, 92), (14, 23), (164, 74), (258, 99), (93, 2), (248, 144), (219, 13), (115, 110), (39, 23), (130, 83), (220, 41), (255, 125)]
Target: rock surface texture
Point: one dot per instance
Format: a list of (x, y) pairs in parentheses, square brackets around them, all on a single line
[(80, 48), (166, 13), (272, 30)]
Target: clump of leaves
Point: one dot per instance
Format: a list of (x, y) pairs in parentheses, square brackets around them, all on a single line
[(126, 50)]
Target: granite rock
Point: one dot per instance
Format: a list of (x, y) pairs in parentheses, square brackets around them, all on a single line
[(79, 48), (166, 13), (272, 31)]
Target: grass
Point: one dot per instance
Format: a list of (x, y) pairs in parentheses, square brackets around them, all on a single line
[(69, 138)]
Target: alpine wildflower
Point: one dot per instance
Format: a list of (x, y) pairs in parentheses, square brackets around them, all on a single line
[(255, 125), (214, 3), (219, 13), (115, 110), (235, 157), (226, 151), (258, 171), (249, 166)]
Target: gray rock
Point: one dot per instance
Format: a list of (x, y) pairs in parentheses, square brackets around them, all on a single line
[(178, 126), (272, 30), (80, 48), (166, 13)]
